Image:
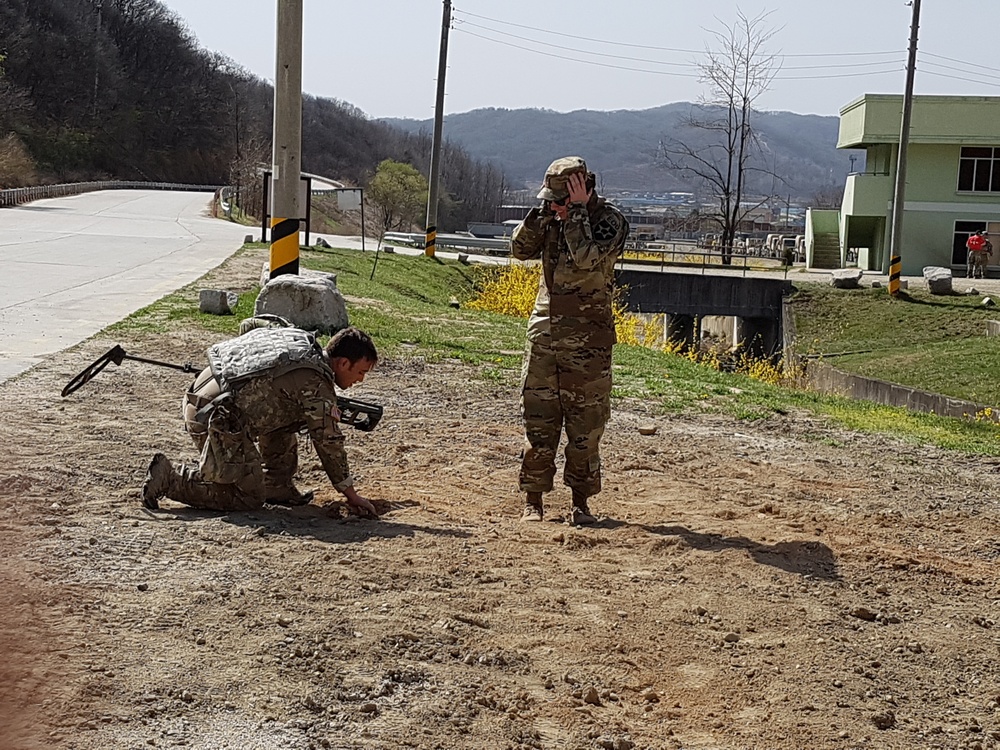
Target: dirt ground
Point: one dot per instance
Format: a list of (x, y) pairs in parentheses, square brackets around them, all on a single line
[(780, 585)]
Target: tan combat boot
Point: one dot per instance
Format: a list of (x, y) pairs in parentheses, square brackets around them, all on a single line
[(532, 508), (289, 496), (580, 515), (159, 478)]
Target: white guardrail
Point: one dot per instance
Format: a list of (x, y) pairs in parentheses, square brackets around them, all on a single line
[(18, 196), (450, 241)]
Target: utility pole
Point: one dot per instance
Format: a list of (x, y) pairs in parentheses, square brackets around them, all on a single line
[(432, 196), (899, 194), (286, 161)]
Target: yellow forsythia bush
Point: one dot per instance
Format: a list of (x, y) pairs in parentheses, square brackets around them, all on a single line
[(511, 290), (508, 290)]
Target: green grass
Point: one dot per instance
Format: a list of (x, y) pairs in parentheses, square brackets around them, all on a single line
[(679, 385), (407, 310), (928, 342)]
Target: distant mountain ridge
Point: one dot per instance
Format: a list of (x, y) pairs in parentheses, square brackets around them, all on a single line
[(621, 146)]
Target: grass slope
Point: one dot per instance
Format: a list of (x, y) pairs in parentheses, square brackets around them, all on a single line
[(407, 308), (929, 342)]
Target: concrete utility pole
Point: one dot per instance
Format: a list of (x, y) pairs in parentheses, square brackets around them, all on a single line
[(899, 194), (432, 195), (287, 154)]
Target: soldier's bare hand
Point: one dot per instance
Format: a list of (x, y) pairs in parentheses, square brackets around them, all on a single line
[(362, 506), (577, 186)]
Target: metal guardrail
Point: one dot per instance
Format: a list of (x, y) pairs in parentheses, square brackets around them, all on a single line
[(692, 256), (451, 241), (19, 196), (677, 254)]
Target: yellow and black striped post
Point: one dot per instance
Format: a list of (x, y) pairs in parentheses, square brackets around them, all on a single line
[(430, 240), (284, 246), (895, 271)]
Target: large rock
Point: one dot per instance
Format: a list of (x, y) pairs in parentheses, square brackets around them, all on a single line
[(846, 278), (938, 279), (310, 301), (217, 301)]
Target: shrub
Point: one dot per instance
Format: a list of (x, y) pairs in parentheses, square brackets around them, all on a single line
[(17, 169)]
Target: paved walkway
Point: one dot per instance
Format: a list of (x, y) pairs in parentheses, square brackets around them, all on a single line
[(74, 265)]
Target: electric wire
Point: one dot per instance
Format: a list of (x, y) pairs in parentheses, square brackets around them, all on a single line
[(662, 49), (658, 62), (895, 69), (872, 67), (982, 76)]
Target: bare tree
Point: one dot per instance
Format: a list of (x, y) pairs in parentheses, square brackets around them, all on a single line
[(830, 196), (719, 152)]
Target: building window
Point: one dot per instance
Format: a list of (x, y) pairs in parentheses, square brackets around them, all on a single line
[(979, 169)]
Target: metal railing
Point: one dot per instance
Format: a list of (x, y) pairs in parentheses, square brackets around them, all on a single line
[(693, 256), (451, 241), (19, 196)]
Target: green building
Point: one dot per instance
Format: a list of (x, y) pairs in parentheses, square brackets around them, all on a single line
[(952, 184)]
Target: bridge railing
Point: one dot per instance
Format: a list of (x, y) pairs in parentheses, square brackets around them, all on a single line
[(19, 196), (665, 255)]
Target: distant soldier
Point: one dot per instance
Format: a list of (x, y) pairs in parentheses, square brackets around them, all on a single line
[(979, 249), (578, 236)]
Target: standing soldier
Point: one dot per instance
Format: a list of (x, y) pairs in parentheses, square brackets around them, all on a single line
[(578, 236)]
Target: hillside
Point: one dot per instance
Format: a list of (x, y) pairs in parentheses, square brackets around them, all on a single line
[(122, 90), (622, 145)]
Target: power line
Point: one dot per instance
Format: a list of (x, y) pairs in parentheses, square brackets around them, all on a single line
[(576, 59), (459, 29), (872, 67), (575, 49), (959, 78), (694, 66), (960, 70), (665, 49), (962, 62)]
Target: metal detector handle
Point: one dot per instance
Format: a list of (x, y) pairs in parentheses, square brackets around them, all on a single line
[(117, 355)]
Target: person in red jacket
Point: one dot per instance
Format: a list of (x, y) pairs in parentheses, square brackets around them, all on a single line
[(979, 249)]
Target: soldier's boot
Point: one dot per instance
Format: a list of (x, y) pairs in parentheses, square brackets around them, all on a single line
[(288, 495), (581, 515), (532, 508), (160, 478)]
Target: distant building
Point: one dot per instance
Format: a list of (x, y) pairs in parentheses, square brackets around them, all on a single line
[(952, 185)]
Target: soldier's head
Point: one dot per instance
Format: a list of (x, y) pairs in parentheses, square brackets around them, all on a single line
[(555, 184), (351, 353)]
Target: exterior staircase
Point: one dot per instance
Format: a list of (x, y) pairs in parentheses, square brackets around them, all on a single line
[(826, 250)]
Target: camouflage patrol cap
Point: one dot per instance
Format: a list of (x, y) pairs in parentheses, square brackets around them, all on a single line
[(554, 185)]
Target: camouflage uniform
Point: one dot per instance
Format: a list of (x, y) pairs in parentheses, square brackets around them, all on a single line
[(567, 367), (269, 408)]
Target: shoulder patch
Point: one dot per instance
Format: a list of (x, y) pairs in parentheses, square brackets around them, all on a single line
[(607, 228)]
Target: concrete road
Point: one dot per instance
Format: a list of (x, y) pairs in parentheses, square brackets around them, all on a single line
[(74, 265)]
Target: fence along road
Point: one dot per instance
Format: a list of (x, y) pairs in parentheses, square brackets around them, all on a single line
[(74, 265)]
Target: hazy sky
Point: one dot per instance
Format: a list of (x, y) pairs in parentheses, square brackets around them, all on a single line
[(382, 55)]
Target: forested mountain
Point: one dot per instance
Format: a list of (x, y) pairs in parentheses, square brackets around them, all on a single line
[(623, 146), (121, 89)]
